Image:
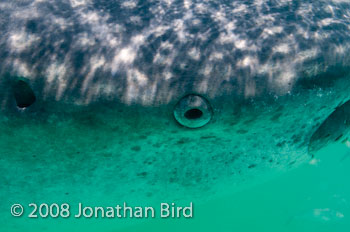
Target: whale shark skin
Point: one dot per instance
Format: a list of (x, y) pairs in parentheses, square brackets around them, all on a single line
[(107, 76)]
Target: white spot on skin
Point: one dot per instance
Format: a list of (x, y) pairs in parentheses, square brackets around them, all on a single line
[(91, 18), (95, 63), (20, 41), (21, 68), (196, 22), (227, 38), (216, 56), (124, 56), (139, 88), (220, 16), (201, 8), (241, 44), (187, 4), (207, 70), (282, 48), (179, 28), (240, 9), (56, 79), (78, 3), (305, 55), (326, 22), (248, 61), (135, 19), (62, 23), (85, 40), (271, 31), (129, 4), (138, 39), (168, 2), (194, 53), (229, 27)]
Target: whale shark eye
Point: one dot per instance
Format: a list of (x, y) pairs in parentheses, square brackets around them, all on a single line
[(193, 114), (24, 95), (193, 111)]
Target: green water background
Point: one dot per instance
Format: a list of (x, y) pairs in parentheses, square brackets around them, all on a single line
[(314, 197)]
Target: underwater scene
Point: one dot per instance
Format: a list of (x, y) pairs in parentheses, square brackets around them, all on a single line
[(169, 115)]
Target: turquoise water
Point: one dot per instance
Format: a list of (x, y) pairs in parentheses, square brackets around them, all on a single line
[(314, 197)]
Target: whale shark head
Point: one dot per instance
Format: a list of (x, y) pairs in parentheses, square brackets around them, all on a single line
[(152, 99)]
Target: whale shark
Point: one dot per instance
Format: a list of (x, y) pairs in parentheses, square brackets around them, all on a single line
[(165, 99)]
